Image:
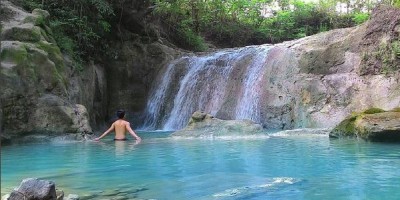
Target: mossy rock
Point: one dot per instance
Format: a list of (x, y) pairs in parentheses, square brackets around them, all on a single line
[(45, 69), (53, 52), (35, 20), (373, 111), (15, 53), (39, 64), (380, 127), (373, 124), (42, 13), (39, 17), (346, 128), (25, 33), (41, 22)]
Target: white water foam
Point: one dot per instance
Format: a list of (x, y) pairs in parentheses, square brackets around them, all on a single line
[(248, 106), (278, 181), (212, 137), (309, 132)]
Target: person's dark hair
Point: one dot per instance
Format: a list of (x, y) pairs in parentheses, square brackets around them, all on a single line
[(121, 114)]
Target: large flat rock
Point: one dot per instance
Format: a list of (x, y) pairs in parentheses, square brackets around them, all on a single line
[(205, 125), (382, 126)]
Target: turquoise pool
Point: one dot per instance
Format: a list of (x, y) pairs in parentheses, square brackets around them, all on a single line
[(295, 167)]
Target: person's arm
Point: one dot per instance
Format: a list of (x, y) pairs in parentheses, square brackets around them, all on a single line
[(105, 133), (128, 127)]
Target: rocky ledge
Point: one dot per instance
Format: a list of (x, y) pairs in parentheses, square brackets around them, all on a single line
[(205, 125), (373, 125)]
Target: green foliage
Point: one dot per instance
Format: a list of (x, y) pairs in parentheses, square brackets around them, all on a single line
[(189, 38), (396, 50), (389, 55), (347, 127), (373, 111), (79, 26), (360, 18), (385, 58), (396, 3), (230, 23)]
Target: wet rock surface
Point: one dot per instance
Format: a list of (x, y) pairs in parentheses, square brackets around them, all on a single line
[(381, 126), (205, 125)]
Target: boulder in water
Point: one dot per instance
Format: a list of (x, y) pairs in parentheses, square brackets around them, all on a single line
[(373, 125), (34, 189), (205, 125)]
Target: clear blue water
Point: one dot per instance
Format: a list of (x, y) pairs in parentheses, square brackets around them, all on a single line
[(161, 168)]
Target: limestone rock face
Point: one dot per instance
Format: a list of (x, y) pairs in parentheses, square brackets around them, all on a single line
[(34, 189), (131, 73), (42, 90), (335, 73), (55, 115), (34, 78), (382, 126), (205, 125), (88, 88), (312, 82)]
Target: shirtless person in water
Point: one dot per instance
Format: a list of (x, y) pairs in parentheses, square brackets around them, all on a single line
[(120, 126)]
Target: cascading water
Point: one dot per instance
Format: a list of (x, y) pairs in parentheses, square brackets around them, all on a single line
[(247, 108), (226, 84)]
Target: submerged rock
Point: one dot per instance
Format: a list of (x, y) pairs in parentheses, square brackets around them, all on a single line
[(60, 194), (372, 125), (72, 197), (205, 125)]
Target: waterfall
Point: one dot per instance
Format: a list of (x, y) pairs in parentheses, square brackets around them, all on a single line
[(226, 84), (156, 101), (248, 106)]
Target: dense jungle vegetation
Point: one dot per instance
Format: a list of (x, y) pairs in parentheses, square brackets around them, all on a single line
[(83, 27)]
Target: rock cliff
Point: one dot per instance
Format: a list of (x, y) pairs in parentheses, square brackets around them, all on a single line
[(317, 81), (43, 92), (34, 80), (313, 82), (345, 71)]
